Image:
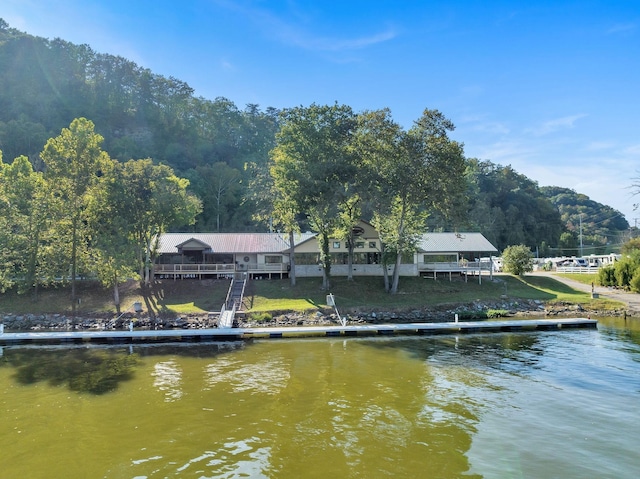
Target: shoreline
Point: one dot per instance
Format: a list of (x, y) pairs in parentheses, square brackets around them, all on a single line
[(476, 311)]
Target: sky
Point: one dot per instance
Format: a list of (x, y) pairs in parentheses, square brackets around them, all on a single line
[(551, 88)]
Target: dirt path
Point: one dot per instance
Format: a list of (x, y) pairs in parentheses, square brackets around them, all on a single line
[(632, 300)]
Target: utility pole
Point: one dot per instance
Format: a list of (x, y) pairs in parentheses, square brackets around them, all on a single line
[(581, 235)]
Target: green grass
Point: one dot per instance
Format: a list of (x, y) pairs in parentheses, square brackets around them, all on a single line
[(581, 278), (363, 294)]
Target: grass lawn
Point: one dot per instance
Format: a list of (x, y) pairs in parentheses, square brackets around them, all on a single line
[(190, 296)]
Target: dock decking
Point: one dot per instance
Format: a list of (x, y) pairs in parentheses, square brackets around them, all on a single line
[(170, 335)]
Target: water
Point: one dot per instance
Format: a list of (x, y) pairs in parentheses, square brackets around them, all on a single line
[(562, 404)]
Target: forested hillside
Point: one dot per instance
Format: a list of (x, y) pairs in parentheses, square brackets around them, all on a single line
[(224, 150)]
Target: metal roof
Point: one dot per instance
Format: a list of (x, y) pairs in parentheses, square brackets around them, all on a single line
[(231, 242), (455, 243)]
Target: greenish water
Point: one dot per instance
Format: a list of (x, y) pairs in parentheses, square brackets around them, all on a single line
[(562, 404)]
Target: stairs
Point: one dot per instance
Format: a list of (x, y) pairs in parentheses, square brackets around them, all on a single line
[(233, 302)]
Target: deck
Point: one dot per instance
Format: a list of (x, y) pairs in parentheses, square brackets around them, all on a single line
[(171, 335), (202, 271)]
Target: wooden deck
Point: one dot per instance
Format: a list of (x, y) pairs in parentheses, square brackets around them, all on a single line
[(203, 271), (172, 335)]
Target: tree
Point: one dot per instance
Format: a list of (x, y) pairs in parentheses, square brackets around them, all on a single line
[(75, 164), (314, 170), (410, 175), (113, 251), (218, 186), (23, 217), (150, 198), (517, 259)]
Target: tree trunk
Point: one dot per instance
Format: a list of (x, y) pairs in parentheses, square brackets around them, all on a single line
[(325, 259), (116, 294), (385, 272), (396, 274), (74, 252), (292, 261), (350, 259)]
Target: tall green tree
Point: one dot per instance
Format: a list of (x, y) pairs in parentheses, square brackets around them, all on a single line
[(75, 164), (23, 221), (412, 173), (314, 168), (150, 199)]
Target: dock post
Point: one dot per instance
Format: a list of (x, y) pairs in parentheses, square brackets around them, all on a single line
[(131, 325), (456, 317), (1, 328)]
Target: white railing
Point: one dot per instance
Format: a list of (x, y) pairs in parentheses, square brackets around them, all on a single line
[(577, 269), (226, 317), (218, 268), (455, 266)]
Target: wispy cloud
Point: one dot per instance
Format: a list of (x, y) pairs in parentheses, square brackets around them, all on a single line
[(557, 124), (294, 33), (622, 28)]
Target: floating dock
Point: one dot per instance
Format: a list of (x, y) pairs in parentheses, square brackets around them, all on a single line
[(230, 334)]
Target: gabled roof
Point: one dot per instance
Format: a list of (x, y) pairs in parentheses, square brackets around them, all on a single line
[(228, 243), (455, 243), (193, 243)]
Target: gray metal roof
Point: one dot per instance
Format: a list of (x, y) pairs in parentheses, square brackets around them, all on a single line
[(455, 243), (231, 242)]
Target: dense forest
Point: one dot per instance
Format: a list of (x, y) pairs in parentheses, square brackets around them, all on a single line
[(225, 151)]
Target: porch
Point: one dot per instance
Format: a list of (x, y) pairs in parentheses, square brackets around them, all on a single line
[(221, 270)]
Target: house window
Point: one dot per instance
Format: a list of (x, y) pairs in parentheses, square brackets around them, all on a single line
[(336, 244), (359, 244), (372, 245), (273, 259)]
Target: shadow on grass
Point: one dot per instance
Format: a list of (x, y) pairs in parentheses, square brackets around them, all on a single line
[(548, 288), (365, 292), (169, 297)]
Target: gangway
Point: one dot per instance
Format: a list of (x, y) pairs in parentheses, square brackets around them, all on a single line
[(233, 302)]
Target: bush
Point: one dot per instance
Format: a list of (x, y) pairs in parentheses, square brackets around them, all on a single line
[(623, 273), (517, 259), (497, 313), (635, 281), (260, 317), (606, 276)]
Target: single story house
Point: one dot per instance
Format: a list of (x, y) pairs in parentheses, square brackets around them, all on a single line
[(267, 255)]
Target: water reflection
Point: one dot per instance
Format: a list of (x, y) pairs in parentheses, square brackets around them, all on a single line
[(95, 371), (268, 376), (167, 379), (99, 369)]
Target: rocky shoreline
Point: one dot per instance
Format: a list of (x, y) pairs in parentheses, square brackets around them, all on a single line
[(472, 311)]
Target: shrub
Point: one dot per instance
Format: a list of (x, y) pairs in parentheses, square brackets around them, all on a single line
[(635, 281), (497, 313), (260, 317), (517, 259), (606, 276)]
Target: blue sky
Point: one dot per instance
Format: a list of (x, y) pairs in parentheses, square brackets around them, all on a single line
[(551, 88)]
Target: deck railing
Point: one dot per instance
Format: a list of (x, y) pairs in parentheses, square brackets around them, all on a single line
[(455, 266), (218, 268)]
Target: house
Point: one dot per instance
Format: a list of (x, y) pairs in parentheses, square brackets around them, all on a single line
[(267, 255), (198, 255)]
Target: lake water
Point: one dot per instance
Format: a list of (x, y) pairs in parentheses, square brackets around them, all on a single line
[(561, 404)]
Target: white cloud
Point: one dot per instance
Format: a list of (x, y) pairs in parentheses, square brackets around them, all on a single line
[(623, 28), (293, 32), (557, 124)]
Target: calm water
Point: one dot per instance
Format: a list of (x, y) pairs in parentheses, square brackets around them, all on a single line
[(560, 404)]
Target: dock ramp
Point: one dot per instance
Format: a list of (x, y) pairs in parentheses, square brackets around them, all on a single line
[(233, 302)]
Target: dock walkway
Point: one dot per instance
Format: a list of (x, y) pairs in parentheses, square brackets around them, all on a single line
[(171, 335)]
